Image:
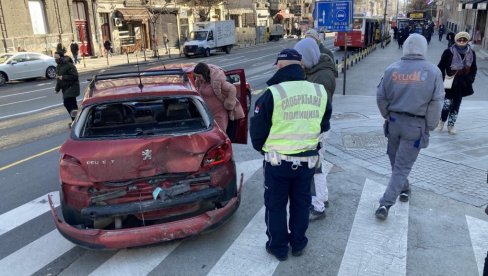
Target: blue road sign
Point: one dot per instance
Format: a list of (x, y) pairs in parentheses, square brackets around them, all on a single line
[(334, 15)]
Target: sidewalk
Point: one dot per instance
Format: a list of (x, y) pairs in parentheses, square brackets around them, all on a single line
[(453, 165)]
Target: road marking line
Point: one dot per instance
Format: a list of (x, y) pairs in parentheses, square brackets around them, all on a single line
[(27, 92), (26, 212), (138, 261), (31, 111), (28, 158), (376, 247), (479, 240), (37, 254), (247, 255), (33, 99)]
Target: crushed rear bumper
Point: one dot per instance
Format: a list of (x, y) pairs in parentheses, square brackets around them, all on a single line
[(139, 236)]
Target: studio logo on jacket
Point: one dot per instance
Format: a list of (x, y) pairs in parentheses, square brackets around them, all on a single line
[(415, 76)]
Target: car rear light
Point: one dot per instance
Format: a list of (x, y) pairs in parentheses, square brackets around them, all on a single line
[(71, 171), (218, 155)]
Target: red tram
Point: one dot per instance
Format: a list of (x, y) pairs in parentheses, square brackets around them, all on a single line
[(366, 31)]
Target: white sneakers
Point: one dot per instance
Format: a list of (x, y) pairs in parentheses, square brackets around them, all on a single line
[(451, 130), (440, 126)]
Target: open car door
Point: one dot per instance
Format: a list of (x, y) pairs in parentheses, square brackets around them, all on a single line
[(237, 130)]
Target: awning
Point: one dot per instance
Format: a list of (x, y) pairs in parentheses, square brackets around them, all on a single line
[(132, 14)]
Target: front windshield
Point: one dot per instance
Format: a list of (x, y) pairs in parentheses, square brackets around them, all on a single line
[(4, 58), (199, 35)]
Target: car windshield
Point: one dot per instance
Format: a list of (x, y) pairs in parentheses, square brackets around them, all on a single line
[(199, 35), (145, 117), (4, 58)]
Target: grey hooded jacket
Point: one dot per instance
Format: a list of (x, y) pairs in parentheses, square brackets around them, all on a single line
[(412, 85)]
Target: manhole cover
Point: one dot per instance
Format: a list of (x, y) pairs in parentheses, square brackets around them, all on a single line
[(366, 140)]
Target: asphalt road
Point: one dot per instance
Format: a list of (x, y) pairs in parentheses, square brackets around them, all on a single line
[(428, 236)]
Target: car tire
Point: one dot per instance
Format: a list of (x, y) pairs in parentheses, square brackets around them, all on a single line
[(207, 52), (3, 78), (51, 72), (227, 49)]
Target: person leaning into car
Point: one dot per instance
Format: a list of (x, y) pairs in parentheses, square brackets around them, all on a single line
[(67, 82), (287, 122), (218, 93)]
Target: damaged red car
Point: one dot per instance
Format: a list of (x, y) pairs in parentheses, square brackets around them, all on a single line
[(146, 163)]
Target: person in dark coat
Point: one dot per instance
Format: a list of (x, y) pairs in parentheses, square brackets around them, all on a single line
[(459, 61), (450, 39), (60, 48), (74, 51), (67, 82), (441, 31), (108, 47)]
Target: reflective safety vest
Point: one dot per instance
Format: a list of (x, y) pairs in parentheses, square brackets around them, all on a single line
[(297, 113)]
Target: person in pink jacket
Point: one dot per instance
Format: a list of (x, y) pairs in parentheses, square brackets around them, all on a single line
[(217, 92)]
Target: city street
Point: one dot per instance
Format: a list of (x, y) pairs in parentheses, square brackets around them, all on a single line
[(440, 231)]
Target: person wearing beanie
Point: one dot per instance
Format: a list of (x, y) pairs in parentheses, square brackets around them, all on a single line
[(318, 69), (409, 97), (286, 125), (312, 33), (459, 61)]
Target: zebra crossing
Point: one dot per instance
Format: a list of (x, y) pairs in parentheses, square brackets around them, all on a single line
[(373, 247)]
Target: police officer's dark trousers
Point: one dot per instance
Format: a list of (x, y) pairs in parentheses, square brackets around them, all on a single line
[(282, 182), (406, 136)]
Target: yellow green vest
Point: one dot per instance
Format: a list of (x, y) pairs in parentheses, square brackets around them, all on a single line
[(297, 113)]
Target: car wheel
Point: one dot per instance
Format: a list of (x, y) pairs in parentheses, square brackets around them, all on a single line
[(207, 52), (51, 72), (227, 49), (3, 78)]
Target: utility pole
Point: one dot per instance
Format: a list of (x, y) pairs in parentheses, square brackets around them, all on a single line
[(383, 33)]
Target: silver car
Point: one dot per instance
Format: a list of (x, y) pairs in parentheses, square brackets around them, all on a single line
[(26, 65)]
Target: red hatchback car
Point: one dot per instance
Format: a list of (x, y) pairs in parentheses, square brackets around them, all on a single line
[(145, 161)]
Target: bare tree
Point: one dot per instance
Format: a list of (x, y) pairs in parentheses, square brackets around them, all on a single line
[(202, 7), (417, 5)]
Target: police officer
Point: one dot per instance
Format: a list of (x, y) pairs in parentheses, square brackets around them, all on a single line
[(288, 119), (409, 97)]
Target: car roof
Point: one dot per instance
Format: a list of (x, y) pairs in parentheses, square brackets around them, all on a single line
[(21, 53), (129, 85)]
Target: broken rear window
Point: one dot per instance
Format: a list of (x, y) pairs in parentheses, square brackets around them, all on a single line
[(161, 116)]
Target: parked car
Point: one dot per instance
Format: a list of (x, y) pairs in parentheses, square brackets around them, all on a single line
[(26, 65), (145, 162)]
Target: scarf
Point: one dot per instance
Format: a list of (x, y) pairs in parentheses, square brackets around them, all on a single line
[(457, 62)]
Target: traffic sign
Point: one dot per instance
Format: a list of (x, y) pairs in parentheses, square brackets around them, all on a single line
[(334, 16)]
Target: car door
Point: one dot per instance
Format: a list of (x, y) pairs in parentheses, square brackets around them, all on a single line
[(17, 67), (237, 130), (36, 66)]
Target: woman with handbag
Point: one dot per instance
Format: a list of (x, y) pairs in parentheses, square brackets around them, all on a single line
[(459, 63), (218, 93)]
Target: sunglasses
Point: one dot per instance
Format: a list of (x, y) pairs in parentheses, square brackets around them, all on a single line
[(462, 40)]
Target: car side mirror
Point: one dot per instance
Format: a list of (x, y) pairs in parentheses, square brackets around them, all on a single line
[(12, 62)]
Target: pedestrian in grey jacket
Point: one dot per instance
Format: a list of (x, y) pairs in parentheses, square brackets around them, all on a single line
[(409, 97)]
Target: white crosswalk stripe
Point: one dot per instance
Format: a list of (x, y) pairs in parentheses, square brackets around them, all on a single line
[(37, 254), (376, 247), (478, 231), (26, 212)]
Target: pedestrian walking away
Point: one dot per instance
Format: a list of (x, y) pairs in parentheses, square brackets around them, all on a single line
[(107, 45), (409, 97), (459, 61), (287, 122), (74, 51), (450, 39), (67, 82), (312, 33), (441, 31), (320, 69)]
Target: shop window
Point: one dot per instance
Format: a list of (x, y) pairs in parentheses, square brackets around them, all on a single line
[(38, 16)]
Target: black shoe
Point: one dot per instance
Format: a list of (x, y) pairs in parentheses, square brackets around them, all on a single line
[(326, 204), (316, 215), (280, 258), (404, 195), (297, 253), (382, 212)]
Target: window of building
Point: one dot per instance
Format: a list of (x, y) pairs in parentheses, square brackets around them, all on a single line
[(38, 16), (78, 10)]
